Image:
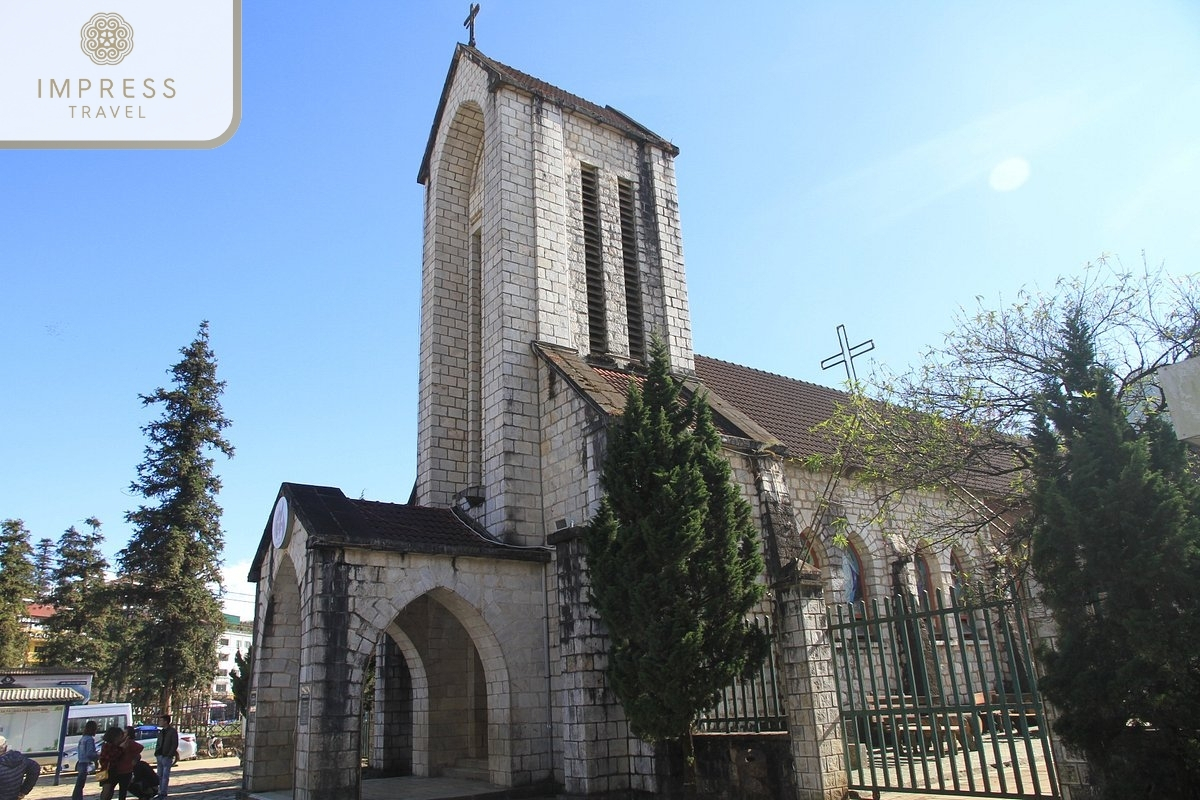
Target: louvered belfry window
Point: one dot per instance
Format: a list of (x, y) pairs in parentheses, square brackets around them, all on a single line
[(592, 260), (633, 281)]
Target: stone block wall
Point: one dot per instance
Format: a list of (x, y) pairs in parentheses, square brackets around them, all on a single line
[(446, 296), (599, 754), (810, 694), (271, 721), (572, 447), (729, 767), (393, 712)]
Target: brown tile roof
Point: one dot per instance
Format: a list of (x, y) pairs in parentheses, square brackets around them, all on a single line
[(766, 409), (791, 410), (786, 407), (503, 74), (607, 388), (39, 610)]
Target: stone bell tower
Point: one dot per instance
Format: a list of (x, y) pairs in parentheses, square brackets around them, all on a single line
[(547, 219)]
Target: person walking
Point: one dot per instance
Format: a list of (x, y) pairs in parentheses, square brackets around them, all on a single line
[(87, 755), (166, 751), (18, 772), (118, 754)]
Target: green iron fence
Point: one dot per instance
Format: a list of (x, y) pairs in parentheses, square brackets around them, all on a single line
[(752, 704), (940, 697)]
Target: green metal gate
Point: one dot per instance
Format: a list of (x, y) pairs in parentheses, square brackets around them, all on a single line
[(940, 698)]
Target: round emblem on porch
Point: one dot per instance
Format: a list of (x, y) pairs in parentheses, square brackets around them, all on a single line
[(279, 522)]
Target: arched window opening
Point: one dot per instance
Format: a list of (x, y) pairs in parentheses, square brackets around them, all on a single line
[(852, 575), (924, 579), (959, 595)]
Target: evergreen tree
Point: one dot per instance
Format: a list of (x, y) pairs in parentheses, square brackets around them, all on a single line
[(80, 596), (172, 564), (1116, 548), (17, 588), (43, 568), (239, 679), (674, 561), (124, 625)]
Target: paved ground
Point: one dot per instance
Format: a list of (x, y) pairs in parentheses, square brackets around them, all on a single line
[(207, 778), (221, 779)]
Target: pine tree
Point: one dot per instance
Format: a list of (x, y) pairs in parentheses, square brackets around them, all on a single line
[(43, 567), (17, 588), (674, 561), (81, 599), (1116, 548), (172, 564)]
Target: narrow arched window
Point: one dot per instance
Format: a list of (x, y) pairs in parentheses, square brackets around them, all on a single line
[(852, 576), (924, 580), (958, 593)]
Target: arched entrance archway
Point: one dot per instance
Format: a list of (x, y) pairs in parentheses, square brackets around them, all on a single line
[(432, 710)]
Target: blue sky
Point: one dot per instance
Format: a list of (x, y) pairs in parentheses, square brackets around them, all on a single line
[(878, 165)]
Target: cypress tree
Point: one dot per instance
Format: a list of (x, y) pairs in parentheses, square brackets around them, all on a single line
[(17, 587), (674, 561), (239, 679), (172, 564), (1116, 548)]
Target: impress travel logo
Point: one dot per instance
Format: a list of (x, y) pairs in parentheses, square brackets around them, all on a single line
[(134, 74), (107, 39)]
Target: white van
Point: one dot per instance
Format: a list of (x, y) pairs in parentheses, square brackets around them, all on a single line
[(105, 715)]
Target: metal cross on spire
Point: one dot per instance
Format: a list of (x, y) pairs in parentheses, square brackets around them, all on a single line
[(469, 23), (848, 354)]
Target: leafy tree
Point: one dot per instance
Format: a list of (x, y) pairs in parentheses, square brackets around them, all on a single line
[(17, 588), (239, 679), (958, 423), (43, 567), (172, 564), (81, 599), (1115, 526), (674, 561)]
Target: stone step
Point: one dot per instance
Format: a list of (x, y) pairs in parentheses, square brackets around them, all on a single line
[(468, 769)]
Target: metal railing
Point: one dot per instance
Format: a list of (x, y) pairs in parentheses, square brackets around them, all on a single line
[(940, 697), (752, 704)]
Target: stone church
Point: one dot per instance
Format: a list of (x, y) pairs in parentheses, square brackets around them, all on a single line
[(552, 254)]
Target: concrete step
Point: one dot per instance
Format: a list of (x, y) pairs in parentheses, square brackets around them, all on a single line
[(468, 769)]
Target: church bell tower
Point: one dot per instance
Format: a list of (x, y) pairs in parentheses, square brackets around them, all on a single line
[(548, 219)]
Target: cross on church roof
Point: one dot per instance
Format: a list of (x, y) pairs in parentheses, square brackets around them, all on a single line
[(469, 23), (847, 354)]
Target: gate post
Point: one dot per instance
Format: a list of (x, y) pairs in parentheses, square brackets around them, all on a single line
[(810, 694), (1074, 775)]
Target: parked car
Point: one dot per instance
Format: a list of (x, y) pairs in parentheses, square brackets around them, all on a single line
[(187, 742)]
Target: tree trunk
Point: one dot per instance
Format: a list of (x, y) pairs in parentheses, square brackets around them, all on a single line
[(690, 787)]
